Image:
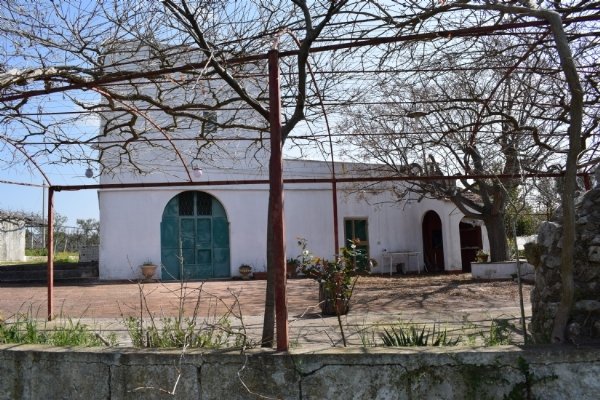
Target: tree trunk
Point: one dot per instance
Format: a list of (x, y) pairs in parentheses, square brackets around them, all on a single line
[(567, 298), (497, 237)]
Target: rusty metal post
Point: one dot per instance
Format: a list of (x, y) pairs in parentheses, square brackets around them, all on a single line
[(276, 194), (50, 252)]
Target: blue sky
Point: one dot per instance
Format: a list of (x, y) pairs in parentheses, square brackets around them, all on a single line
[(75, 205)]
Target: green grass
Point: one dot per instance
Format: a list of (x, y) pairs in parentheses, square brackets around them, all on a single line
[(59, 258), (27, 330), (36, 252)]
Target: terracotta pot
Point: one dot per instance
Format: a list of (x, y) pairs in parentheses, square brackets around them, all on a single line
[(245, 272), (291, 270), (330, 305), (261, 275), (148, 271)]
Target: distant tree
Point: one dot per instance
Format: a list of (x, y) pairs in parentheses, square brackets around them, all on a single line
[(89, 229)]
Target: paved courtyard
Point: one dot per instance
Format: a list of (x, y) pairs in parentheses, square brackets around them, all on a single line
[(451, 300)]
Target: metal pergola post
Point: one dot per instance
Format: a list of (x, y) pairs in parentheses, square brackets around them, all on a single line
[(276, 195), (50, 252)]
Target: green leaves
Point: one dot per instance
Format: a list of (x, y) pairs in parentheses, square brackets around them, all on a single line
[(409, 336)]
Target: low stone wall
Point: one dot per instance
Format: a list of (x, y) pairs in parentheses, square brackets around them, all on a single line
[(12, 241), (36, 372), (501, 270), (89, 254)]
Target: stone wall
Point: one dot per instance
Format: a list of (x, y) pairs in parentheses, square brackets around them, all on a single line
[(545, 296), (12, 241), (41, 372), (89, 254)]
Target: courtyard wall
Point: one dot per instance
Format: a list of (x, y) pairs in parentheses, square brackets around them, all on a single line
[(34, 372)]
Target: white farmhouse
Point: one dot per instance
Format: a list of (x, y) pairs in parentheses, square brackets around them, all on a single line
[(215, 229), (207, 231)]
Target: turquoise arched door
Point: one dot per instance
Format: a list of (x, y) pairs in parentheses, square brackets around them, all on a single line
[(194, 236)]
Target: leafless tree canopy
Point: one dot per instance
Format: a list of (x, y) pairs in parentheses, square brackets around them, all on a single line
[(158, 67), (437, 87)]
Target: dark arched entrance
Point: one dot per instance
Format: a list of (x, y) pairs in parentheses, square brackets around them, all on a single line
[(470, 242), (194, 237), (433, 244)]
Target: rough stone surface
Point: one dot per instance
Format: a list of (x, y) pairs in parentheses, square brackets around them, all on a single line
[(544, 372), (54, 374), (586, 272)]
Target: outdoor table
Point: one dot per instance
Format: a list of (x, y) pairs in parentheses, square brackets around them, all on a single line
[(390, 255)]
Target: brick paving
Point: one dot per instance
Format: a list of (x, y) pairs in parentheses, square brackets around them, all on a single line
[(377, 300)]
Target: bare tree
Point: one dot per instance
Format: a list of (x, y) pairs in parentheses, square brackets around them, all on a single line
[(152, 71), (568, 116), (480, 121), (155, 70)]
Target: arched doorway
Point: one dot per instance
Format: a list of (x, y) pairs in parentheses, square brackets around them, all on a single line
[(433, 244), (470, 242), (194, 229)]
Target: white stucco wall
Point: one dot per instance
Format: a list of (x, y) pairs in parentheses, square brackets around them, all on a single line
[(130, 227), (130, 224)]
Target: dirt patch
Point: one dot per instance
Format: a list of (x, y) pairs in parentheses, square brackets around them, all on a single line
[(442, 293)]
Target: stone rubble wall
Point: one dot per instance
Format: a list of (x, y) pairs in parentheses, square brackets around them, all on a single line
[(44, 372), (88, 254), (12, 241), (545, 255)]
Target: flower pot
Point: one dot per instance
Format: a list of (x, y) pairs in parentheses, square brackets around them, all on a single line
[(291, 271), (245, 271), (332, 305), (261, 275), (148, 271)]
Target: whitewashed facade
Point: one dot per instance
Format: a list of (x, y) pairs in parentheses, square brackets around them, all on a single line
[(131, 221), (222, 227)]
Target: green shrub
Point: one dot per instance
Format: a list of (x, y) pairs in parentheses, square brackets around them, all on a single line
[(36, 252)]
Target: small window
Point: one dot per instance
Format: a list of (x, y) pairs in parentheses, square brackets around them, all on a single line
[(210, 123), (357, 230), (186, 203), (204, 203)]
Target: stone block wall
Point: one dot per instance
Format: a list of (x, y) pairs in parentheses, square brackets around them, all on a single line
[(43, 372), (545, 296), (89, 254)]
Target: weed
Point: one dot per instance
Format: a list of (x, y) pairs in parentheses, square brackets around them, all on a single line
[(499, 333), (404, 336), (27, 330), (367, 337), (186, 331)]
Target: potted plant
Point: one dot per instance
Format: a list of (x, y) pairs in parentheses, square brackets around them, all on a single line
[(148, 269), (292, 265), (336, 278), (482, 256), (261, 275), (245, 271)]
